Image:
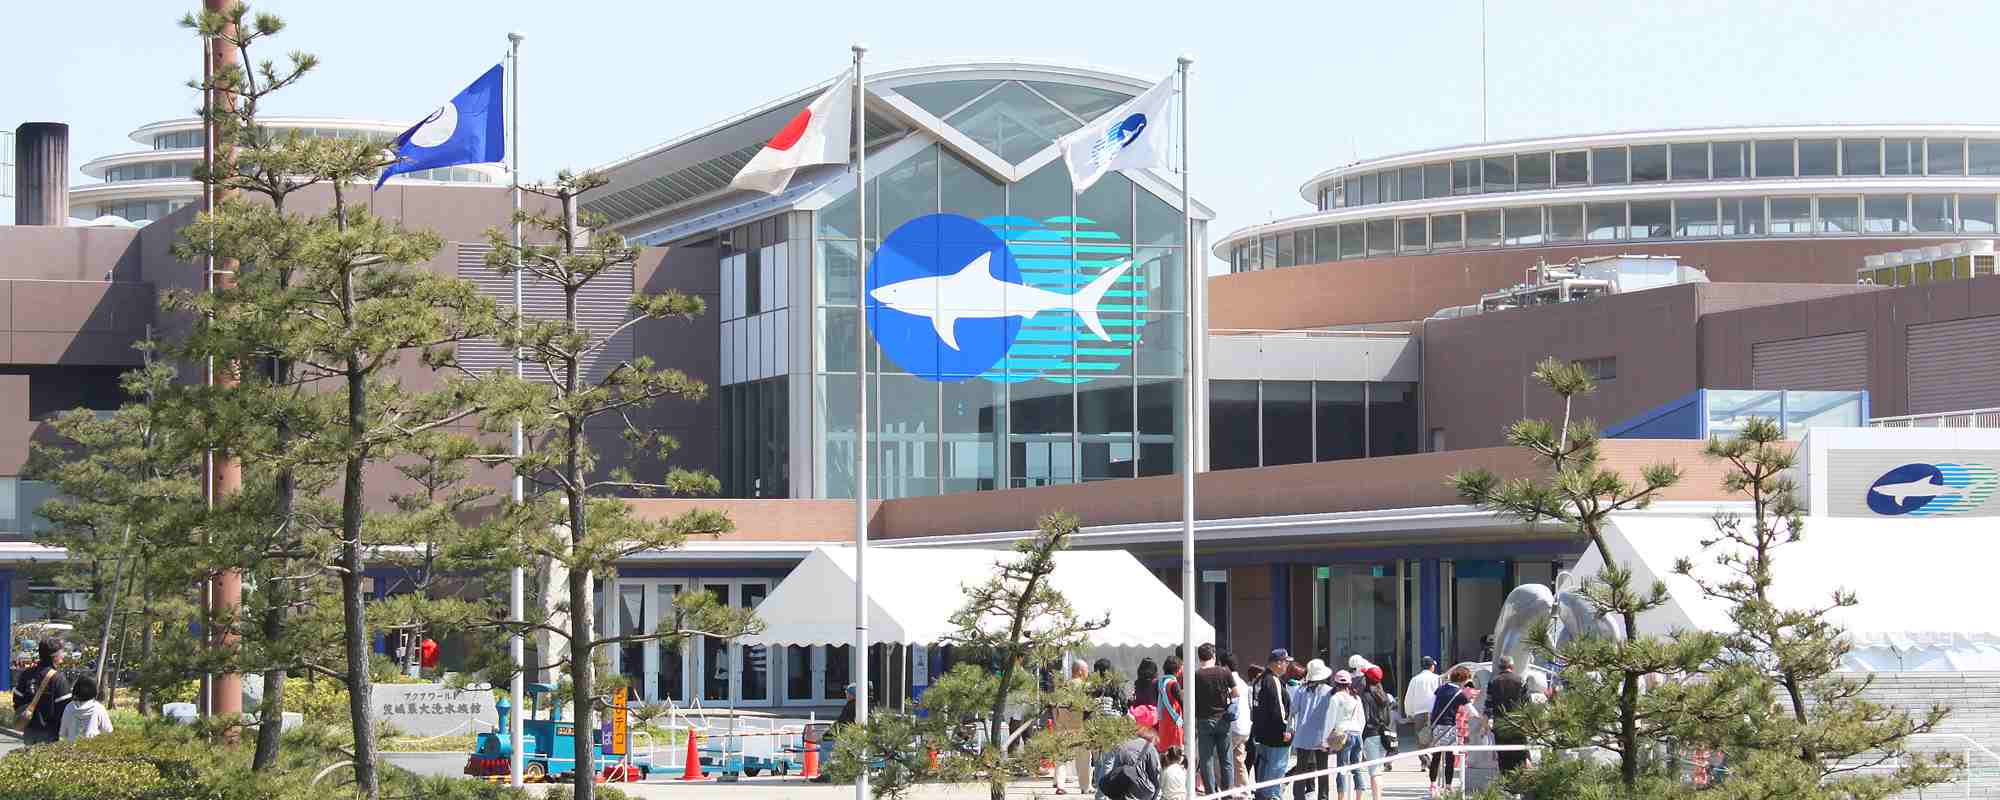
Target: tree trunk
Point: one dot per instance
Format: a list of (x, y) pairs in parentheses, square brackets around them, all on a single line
[(581, 667), (996, 785), (271, 715), (146, 649), (354, 612)]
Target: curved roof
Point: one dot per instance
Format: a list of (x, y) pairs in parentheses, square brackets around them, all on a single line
[(145, 133), (1309, 189)]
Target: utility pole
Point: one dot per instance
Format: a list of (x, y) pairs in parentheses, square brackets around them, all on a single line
[(225, 474)]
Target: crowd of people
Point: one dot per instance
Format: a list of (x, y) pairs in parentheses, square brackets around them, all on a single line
[(1284, 718), (1250, 726), (48, 708)]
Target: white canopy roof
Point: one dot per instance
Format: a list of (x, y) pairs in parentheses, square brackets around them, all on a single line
[(1914, 580), (913, 592)]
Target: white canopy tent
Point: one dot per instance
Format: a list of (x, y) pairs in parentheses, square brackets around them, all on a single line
[(913, 592), (1916, 581)]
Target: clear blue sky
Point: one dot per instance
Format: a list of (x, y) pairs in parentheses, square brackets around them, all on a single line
[(1281, 90)]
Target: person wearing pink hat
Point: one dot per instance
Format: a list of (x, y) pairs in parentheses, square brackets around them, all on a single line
[(1348, 723)]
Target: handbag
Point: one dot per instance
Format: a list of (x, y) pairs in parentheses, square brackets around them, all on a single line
[(1337, 742)]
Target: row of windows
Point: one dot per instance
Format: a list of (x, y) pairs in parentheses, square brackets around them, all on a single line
[(447, 175), (140, 210), (1691, 218), (1656, 163), (149, 171), (1269, 423), (178, 140)]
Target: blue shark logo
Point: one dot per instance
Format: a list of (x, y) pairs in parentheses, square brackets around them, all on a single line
[(1923, 490), (1127, 131), (1006, 299)]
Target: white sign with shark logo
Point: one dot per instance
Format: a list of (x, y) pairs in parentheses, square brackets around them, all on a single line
[(1900, 472)]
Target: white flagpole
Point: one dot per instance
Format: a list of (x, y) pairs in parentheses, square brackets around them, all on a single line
[(1190, 443), (859, 672), (517, 601)]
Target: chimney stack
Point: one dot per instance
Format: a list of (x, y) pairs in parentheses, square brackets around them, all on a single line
[(41, 173)]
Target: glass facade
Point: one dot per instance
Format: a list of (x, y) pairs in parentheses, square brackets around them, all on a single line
[(1677, 161), (1062, 405), (1686, 218), (1271, 423)]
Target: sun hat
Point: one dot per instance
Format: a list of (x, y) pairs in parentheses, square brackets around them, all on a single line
[(1316, 670)]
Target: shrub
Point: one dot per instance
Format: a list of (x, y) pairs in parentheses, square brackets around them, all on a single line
[(564, 791)]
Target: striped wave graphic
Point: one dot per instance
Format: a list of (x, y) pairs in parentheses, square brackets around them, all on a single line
[(1062, 254), (1976, 481)]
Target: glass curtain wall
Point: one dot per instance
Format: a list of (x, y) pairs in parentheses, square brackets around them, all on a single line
[(1063, 405), (1271, 423)]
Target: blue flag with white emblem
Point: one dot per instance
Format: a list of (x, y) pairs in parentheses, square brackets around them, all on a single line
[(468, 130)]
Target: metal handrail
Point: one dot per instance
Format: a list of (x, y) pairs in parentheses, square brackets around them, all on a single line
[(1969, 412), (1330, 771)]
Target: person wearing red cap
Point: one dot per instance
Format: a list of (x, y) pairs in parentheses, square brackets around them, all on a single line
[(1379, 728)]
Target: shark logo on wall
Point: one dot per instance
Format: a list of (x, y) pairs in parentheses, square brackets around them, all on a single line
[(1941, 489), (948, 301)]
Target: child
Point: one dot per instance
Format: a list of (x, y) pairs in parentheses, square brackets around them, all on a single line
[(1173, 773), (84, 717)]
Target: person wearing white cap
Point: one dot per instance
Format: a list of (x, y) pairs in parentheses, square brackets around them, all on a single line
[(1312, 726), (1348, 719)]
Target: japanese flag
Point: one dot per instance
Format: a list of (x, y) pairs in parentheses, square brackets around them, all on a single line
[(819, 134)]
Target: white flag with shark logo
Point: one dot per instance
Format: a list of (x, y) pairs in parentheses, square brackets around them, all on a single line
[(1137, 135)]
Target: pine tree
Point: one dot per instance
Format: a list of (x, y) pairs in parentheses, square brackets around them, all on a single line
[(575, 523), (321, 310), (127, 493), (1602, 704), (1822, 738)]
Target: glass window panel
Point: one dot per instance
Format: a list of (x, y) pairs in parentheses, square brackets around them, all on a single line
[(1531, 171), (1084, 102), (1232, 424), (1839, 215), (1947, 157), (1742, 216), (1465, 177), (1013, 122), (1351, 243), (1483, 228), (1288, 420), (905, 440), (1159, 413), (1340, 416), (715, 653), (836, 220), (1565, 223), (1415, 237), (1159, 224), (1729, 159), (1156, 284), (1381, 237), (754, 680), (1933, 213), (1105, 429), (1390, 189), (1371, 189), (1604, 221), (1695, 218), (1270, 245), (1817, 157), (1413, 183), (1984, 156), (1524, 226), (1437, 180), (1691, 161), (1649, 163), (1392, 419), (973, 414), (1861, 156), (1573, 168), (1607, 165), (1774, 159), (1351, 191), (1447, 230), (1976, 214), (1499, 173), (1790, 215), (1902, 156), (1886, 213), (1326, 242), (1286, 255), (1159, 343), (1651, 219), (1302, 243)]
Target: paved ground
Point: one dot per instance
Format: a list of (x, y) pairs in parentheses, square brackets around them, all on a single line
[(1405, 784)]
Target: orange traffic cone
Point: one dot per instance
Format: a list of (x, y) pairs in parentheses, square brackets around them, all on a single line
[(812, 761), (693, 770)]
